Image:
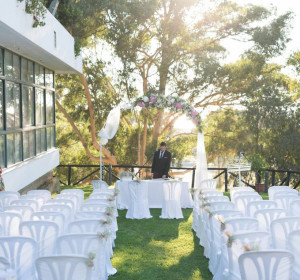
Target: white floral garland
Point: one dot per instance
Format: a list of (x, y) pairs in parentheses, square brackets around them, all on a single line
[(175, 104)]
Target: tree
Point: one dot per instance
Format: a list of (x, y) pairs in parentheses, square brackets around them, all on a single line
[(175, 46)]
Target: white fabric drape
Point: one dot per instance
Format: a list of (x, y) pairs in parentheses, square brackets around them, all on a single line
[(201, 162)]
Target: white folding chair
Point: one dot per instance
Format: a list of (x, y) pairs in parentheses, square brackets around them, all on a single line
[(26, 202), (266, 216), (98, 185), (240, 190), (288, 192), (79, 193), (41, 193), (294, 209), (84, 244), (64, 209), (280, 229), (266, 265), (208, 184), (209, 193), (4, 263), (1, 230), (63, 268), (40, 199), (284, 201), (241, 224), (10, 223), (211, 199), (253, 206), (66, 196), (139, 206), (55, 217), (275, 189), (97, 200), (94, 207), (67, 202), (241, 201), (221, 206), (43, 232), (171, 206), (293, 242), (21, 253), (24, 211), (7, 197), (240, 243)]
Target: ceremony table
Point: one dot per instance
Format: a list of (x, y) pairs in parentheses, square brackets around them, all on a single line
[(155, 194)]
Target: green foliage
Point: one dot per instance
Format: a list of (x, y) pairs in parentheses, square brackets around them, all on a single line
[(37, 9), (257, 162)]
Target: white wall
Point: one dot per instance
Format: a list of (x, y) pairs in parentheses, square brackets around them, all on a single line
[(18, 35), (19, 176)]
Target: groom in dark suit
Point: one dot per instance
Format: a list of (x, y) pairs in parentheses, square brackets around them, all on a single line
[(161, 162)]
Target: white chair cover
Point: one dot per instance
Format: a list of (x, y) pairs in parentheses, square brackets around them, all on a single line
[(241, 201), (55, 217), (139, 207), (293, 242), (171, 207), (221, 206), (253, 206), (280, 229), (239, 244), (240, 190), (24, 211), (8, 193), (84, 244), (10, 223), (242, 193), (63, 268), (26, 202), (266, 265), (4, 263), (43, 232), (209, 193), (21, 252), (266, 216)]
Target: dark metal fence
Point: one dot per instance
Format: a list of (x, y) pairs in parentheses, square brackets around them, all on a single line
[(276, 175)]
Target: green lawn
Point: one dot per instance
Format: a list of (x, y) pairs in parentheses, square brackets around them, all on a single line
[(154, 249)]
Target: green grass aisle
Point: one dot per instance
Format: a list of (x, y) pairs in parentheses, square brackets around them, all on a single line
[(157, 249)]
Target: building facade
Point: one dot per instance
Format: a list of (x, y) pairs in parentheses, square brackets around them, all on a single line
[(29, 59)]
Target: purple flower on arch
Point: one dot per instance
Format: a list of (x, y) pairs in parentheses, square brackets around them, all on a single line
[(152, 99), (141, 104), (194, 113), (178, 105)]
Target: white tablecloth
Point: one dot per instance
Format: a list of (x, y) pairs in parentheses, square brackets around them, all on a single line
[(155, 194)]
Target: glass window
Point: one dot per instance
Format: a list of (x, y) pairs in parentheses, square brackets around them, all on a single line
[(40, 140), (27, 70), (50, 137), (8, 64), (12, 65), (1, 64), (39, 75), (14, 148), (27, 106), (39, 107), (1, 105), (12, 99), (2, 150), (49, 107), (49, 78), (28, 144)]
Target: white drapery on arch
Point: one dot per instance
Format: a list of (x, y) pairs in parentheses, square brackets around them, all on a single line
[(111, 127), (109, 130)]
